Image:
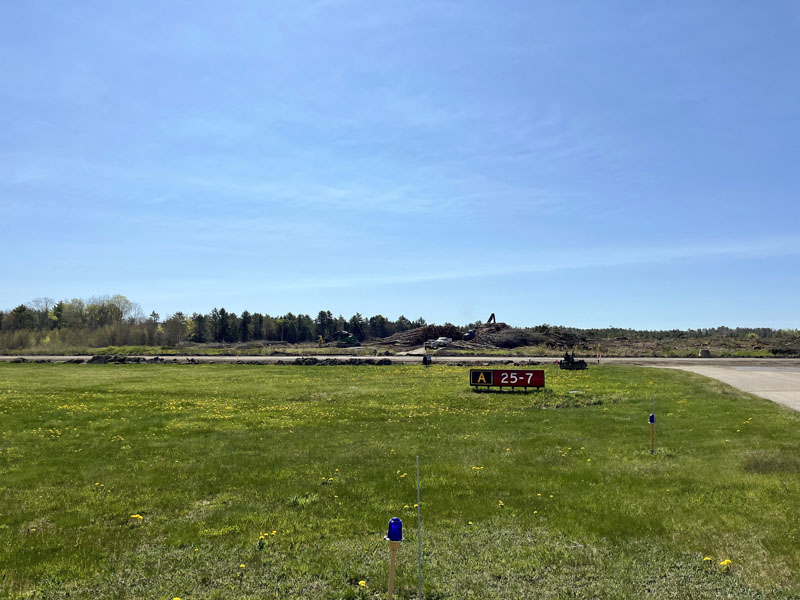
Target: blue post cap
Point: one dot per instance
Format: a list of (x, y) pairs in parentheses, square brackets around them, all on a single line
[(395, 533), (652, 418)]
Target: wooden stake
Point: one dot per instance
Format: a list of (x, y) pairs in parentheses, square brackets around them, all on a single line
[(393, 548)]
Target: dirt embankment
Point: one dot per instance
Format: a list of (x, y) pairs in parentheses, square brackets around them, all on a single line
[(499, 336), (418, 336), (490, 336)]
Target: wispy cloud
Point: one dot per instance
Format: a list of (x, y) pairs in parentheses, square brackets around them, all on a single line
[(600, 259)]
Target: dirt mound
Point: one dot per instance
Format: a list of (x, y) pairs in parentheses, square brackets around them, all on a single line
[(487, 337), (418, 336), (500, 335)]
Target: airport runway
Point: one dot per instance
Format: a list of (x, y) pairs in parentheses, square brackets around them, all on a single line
[(780, 384)]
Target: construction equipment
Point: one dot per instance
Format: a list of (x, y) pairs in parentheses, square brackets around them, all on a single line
[(470, 334), (568, 363), (345, 339)]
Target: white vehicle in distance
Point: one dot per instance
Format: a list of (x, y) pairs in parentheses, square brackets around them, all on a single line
[(440, 342)]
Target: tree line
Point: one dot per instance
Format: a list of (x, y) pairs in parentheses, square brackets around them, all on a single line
[(116, 321), (721, 332)]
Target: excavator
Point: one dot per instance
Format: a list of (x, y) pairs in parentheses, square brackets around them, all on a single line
[(471, 333), (345, 339)]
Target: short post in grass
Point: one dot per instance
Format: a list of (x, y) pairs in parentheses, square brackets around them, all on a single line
[(652, 433), (394, 536)]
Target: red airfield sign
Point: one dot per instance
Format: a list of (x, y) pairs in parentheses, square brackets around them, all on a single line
[(506, 377)]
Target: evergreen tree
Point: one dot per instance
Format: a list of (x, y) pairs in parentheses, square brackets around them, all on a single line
[(258, 326), (377, 326), (357, 327), (244, 327), (305, 328), (22, 317), (223, 333), (200, 333), (151, 327), (324, 324)]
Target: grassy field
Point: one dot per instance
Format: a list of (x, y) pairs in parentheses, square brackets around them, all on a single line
[(242, 481)]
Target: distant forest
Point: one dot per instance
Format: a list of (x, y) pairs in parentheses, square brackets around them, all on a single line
[(116, 321)]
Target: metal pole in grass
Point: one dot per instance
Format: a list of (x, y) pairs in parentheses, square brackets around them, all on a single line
[(419, 539)]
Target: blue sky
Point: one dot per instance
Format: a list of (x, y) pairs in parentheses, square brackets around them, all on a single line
[(579, 163)]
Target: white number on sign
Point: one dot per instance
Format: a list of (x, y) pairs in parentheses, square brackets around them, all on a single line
[(512, 378)]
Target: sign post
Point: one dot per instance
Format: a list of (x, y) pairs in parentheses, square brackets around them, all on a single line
[(652, 433)]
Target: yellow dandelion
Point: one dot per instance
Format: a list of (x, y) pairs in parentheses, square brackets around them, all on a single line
[(588, 460), (469, 522), (707, 558), (274, 532), (406, 506), (139, 517), (403, 475), (536, 512), (362, 583), (500, 504), (241, 566), (725, 563)]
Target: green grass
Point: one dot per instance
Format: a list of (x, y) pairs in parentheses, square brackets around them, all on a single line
[(213, 456)]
